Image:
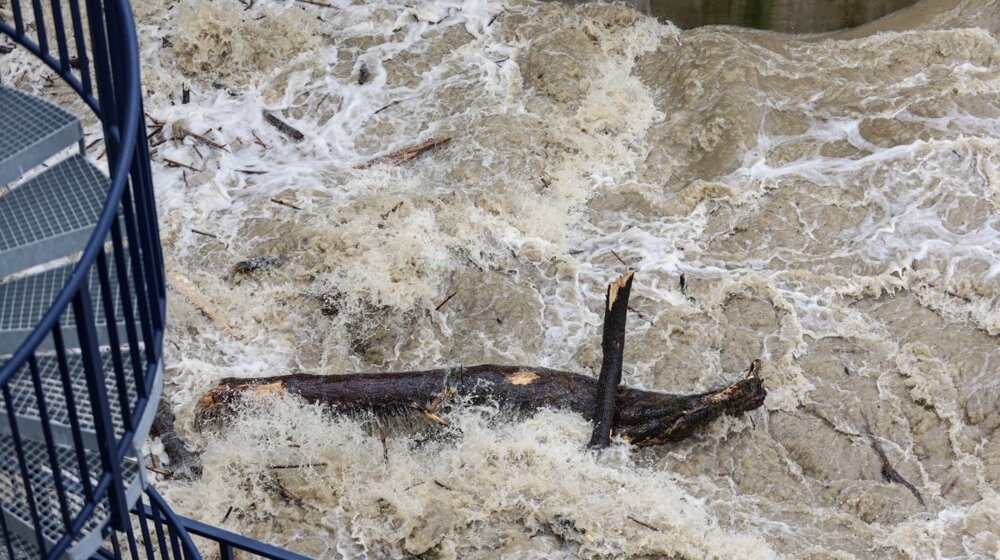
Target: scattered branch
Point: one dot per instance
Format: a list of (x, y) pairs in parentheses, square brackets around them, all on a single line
[(889, 473), (282, 126), (406, 154)]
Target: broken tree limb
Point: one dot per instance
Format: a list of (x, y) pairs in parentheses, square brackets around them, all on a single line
[(406, 154), (642, 417), (613, 347)]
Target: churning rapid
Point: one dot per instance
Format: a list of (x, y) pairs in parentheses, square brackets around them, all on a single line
[(830, 205)]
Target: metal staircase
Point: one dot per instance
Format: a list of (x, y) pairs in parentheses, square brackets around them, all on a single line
[(82, 305)]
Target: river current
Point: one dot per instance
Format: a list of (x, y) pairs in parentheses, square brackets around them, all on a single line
[(828, 204)]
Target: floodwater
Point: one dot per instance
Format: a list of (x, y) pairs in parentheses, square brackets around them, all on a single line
[(828, 204)]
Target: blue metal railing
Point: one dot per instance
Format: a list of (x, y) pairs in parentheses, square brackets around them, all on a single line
[(92, 46)]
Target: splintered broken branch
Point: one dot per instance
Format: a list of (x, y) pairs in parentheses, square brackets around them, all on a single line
[(406, 154), (613, 347)]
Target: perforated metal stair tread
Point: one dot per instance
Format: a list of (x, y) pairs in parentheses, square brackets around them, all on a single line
[(24, 399), (31, 131), (23, 303), (51, 215), (16, 512)]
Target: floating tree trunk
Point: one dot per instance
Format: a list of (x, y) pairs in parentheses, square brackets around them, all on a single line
[(639, 417)]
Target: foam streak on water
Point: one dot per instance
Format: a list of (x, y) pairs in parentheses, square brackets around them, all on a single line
[(831, 204)]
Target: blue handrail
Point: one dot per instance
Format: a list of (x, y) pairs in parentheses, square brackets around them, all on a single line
[(130, 274)]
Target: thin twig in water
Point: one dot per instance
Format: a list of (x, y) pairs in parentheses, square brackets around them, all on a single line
[(446, 300), (443, 486), (167, 474), (206, 141), (620, 259), (300, 466), (387, 105), (889, 473), (251, 171), (205, 233), (646, 525), (257, 140), (172, 163), (285, 204), (406, 154), (228, 512)]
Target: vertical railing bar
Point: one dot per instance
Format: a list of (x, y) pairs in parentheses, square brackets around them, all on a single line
[(99, 404), (43, 39), (144, 192), (105, 93), (174, 542), (225, 551), (57, 22), (107, 298), (140, 510), (130, 539), (115, 546), (50, 446), (129, 315), (158, 525), (7, 538), (18, 18), (131, 230), (74, 418), (29, 492), (81, 47)]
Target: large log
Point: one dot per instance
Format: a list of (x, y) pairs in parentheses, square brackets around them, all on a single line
[(641, 417)]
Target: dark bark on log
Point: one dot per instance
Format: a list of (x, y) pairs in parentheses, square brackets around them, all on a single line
[(184, 463), (641, 417), (613, 347)]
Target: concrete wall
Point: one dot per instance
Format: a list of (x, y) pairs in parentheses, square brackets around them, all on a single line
[(801, 16), (796, 16)]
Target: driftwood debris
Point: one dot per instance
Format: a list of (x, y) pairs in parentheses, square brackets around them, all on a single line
[(889, 473), (639, 417), (406, 154), (613, 347), (282, 126)]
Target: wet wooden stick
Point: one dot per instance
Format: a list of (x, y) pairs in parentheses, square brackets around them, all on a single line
[(613, 347), (406, 154), (889, 473), (283, 127)]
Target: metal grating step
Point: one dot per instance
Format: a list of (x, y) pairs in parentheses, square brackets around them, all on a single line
[(24, 399), (51, 215), (13, 495), (23, 303), (20, 549), (31, 131)]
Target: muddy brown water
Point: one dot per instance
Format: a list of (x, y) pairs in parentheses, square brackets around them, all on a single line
[(830, 201)]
